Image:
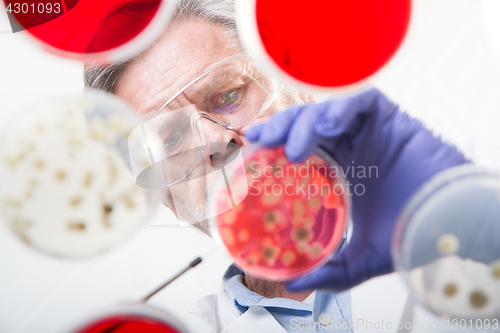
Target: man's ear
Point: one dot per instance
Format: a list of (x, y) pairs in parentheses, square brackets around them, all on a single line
[(307, 97)]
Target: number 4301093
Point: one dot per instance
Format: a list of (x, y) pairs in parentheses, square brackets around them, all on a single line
[(479, 323), (40, 8)]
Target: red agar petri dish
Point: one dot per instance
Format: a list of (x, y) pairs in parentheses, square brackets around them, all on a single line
[(91, 30), (128, 324), (292, 219), (131, 319), (326, 44)]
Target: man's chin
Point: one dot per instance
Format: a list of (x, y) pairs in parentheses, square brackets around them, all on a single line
[(202, 226), (195, 213)]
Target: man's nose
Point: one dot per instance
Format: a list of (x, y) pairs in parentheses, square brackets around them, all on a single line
[(221, 143), (214, 132)]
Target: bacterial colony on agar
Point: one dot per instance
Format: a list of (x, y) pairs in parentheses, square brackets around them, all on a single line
[(128, 324), (446, 245), (347, 41), (67, 188), (292, 219)]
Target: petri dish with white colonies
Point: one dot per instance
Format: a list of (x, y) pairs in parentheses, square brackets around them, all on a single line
[(276, 219), (67, 185), (446, 245), (95, 31)]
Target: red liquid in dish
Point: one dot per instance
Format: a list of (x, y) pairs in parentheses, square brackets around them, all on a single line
[(128, 324), (84, 26), (332, 43), (292, 219)]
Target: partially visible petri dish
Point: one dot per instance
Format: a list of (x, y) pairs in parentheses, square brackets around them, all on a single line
[(94, 31), (285, 219), (348, 42), (445, 244), (67, 186), (130, 319)]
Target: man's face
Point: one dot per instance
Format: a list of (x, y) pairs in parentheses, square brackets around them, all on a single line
[(187, 48)]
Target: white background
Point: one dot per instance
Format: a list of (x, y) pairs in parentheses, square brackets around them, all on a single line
[(448, 75)]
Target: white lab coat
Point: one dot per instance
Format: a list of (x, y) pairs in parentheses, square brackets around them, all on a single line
[(382, 298), (219, 312)]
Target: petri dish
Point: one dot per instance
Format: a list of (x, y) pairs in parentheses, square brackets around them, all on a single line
[(67, 187), (338, 45), (131, 318), (445, 244), (284, 219), (491, 10), (96, 31)]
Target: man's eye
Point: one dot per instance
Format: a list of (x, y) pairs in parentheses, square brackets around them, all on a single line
[(172, 140), (220, 99)]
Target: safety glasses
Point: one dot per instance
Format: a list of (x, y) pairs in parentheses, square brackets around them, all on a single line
[(231, 93)]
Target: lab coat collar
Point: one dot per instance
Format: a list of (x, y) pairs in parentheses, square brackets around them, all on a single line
[(247, 298), (221, 311), (221, 314)]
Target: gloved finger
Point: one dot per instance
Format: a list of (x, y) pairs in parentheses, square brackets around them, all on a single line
[(343, 114), (274, 132), (253, 133), (302, 139)]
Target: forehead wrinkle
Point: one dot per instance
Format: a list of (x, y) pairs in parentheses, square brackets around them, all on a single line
[(155, 86), (153, 103), (160, 109), (228, 76), (156, 101), (186, 48)]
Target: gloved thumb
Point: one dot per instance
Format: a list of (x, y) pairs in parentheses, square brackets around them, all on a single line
[(348, 269)]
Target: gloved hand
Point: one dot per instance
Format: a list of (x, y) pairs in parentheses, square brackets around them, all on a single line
[(366, 130)]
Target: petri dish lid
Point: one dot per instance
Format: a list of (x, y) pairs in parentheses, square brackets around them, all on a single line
[(278, 220), (130, 318), (332, 46), (95, 31), (67, 185), (445, 244)]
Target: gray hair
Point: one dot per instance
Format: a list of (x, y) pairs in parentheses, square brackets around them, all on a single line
[(219, 12)]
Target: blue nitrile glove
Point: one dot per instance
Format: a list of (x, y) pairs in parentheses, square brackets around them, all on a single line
[(367, 130)]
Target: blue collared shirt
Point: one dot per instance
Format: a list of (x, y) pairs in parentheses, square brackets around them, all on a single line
[(294, 316)]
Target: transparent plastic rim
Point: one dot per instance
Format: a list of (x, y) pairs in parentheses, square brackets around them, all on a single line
[(214, 230), (248, 32), (276, 85), (141, 310), (421, 196), (153, 196), (126, 51)]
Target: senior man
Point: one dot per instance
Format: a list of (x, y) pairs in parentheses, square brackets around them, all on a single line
[(198, 68), (202, 41)]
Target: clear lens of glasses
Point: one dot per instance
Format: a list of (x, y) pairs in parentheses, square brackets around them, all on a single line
[(231, 93)]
